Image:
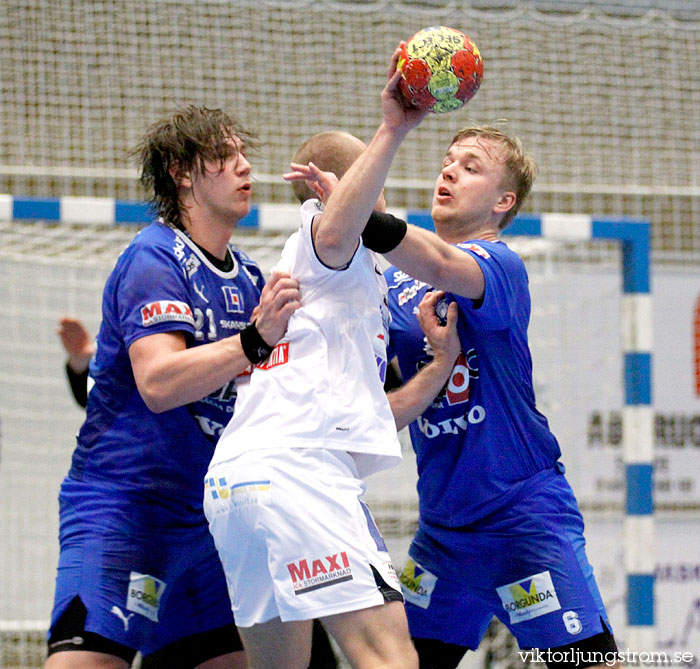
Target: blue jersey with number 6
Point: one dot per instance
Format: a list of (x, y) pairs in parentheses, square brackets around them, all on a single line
[(483, 437)]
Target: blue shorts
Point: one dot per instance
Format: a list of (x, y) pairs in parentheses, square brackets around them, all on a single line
[(146, 578), (525, 564)]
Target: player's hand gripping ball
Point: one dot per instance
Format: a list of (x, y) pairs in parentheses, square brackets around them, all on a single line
[(441, 69)]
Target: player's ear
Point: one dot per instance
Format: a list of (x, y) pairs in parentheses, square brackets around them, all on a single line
[(506, 202), (180, 177)]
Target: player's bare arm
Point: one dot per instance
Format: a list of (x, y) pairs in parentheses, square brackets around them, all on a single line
[(169, 375), (415, 396), (426, 257), (337, 230), (421, 253)]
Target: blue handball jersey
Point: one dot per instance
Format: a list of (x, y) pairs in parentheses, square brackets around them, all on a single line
[(162, 282), (482, 440)]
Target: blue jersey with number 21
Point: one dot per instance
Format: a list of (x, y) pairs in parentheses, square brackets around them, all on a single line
[(161, 283)]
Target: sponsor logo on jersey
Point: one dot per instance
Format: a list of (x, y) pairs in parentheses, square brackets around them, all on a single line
[(209, 426), (475, 248), (312, 574), (417, 584), (409, 292), (399, 277), (227, 393), (529, 597), (179, 248), (144, 595), (234, 299), (218, 488), (457, 389), (279, 356), (230, 324), (166, 310), (192, 265)]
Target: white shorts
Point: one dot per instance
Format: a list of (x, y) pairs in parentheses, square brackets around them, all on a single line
[(294, 537)]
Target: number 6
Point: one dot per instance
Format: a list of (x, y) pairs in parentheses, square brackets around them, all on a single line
[(573, 624)]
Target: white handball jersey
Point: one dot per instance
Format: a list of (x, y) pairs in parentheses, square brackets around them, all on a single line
[(322, 386)]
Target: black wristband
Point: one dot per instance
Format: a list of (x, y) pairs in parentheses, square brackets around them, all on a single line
[(256, 349), (383, 232), (78, 384)]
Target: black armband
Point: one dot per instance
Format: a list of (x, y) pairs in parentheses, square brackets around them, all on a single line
[(78, 384), (383, 232), (256, 349)]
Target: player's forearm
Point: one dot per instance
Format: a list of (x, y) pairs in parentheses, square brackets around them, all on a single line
[(428, 258), (415, 396), (349, 206), (176, 378)]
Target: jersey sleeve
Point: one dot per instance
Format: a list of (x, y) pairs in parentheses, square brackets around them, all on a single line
[(505, 286), (153, 295)]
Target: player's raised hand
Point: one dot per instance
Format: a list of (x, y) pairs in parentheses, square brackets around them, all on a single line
[(396, 110), (279, 299), (439, 330), (322, 183), (76, 341)]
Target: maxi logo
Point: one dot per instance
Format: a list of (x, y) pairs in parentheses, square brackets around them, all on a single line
[(166, 310), (322, 572)]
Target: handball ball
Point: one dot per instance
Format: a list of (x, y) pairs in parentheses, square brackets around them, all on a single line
[(441, 69)]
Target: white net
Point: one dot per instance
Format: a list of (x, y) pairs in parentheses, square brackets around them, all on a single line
[(605, 94)]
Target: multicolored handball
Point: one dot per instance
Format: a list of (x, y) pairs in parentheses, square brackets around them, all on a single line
[(441, 69)]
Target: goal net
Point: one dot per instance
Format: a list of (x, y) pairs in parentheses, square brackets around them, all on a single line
[(51, 270), (604, 93)]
